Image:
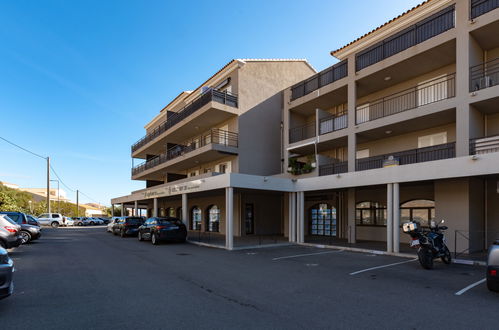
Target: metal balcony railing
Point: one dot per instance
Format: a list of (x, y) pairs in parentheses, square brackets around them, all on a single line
[(420, 155), (333, 168), (323, 78), (484, 145), (304, 132), (429, 92), (424, 30), (333, 123), (480, 7), (174, 118), (215, 136), (484, 75)]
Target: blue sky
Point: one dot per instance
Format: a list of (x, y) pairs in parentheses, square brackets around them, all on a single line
[(80, 79)]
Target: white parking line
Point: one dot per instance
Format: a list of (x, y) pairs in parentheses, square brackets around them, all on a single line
[(306, 255), (471, 286), (383, 266)]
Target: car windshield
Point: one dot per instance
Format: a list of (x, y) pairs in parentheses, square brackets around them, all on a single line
[(134, 221)]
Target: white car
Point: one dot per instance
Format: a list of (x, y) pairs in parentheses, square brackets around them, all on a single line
[(69, 222), (51, 219), (111, 224)]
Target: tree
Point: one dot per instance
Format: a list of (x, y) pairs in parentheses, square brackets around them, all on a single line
[(8, 203)]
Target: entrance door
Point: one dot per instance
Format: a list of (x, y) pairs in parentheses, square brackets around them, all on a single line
[(249, 220)]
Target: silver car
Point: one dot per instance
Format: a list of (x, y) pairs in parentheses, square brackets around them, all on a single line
[(10, 233), (6, 270)]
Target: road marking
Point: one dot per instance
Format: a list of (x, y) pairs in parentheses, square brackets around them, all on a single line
[(471, 286), (383, 266), (306, 255)]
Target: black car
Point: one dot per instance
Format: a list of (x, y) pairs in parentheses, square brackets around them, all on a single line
[(162, 229), (127, 226), (30, 228)]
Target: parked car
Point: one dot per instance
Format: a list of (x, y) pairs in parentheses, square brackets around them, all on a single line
[(79, 221), (111, 223), (493, 267), (6, 270), (10, 233), (69, 221), (32, 220), (51, 219), (97, 221), (106, 220), (162, 229), (127, 226), (30, 230)]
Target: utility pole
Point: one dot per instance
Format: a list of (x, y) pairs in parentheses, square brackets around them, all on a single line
[(48, 184), (77, 205)]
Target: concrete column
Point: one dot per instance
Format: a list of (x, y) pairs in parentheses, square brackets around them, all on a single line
[(352, 109), (300, 216), (352, 232), (185, 208), (389, 217), (229, 218), (154, 207), (135, 209), (122, 209), (292, 216), (396, 217)]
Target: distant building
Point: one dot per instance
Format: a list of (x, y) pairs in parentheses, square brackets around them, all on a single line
[(93, 210), (40, 194)]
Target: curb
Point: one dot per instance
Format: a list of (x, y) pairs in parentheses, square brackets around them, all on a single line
[(251, 247)]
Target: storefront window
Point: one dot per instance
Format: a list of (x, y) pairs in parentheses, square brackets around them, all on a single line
[(370, 214), (196, 218), (419, 210), (171, 212), (323, 220), (213, 218)]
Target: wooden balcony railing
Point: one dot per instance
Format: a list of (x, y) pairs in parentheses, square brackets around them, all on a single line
[(323, 78), (215, 136), (211, 95), (480, 7), (429, 92), (420, 155), (484, 75)]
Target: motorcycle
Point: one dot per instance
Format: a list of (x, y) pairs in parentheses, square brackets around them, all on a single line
[(430, 242)]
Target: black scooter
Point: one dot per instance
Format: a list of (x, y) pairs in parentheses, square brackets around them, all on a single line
[(429, 242)]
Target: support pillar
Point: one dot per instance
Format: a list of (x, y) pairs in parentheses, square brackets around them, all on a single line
[(229, 218), (352, 229), (396, 218), (135, 209), (185, 208), (292, 217), (389, 217), (300, 216), (155, 207), (122, 209)]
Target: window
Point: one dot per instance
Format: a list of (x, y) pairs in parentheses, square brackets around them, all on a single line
[(323, 220), (432, 140), (222, 168), (55, 215), (196, 218), (420, 210), (370, 213), (207, 170), (364, 153), (213, 219), (171, 212), (193, 173)]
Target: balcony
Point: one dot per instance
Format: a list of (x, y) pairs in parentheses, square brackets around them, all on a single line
[(484, 145), (484, 75), (323, 78), (333, 123), (208, 147), (420, 155), (303, 132), (426, 93), (480, 7), (225, 98), (416, 34), (333, 168)]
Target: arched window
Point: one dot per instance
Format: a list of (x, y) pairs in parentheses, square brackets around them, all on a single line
[(213, 221), (170, 212), (196, 218), (420, 210), (370, 213), (323, 220), (162, 212)]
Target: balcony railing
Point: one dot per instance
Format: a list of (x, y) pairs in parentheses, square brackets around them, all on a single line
[(420, 155), (484, 75), (333, 123), (424, 30), (215, 136), (428, 92), (480, 7), (323, 78), (304, 132), (211, 95), (484, 145), (333, 168)]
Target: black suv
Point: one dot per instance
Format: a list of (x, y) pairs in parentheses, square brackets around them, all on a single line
[(127, 226), (30, 228)]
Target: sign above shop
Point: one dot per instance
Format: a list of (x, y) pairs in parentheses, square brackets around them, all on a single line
[(174, 189)]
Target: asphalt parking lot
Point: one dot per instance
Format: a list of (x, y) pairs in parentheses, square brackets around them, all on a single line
[(85, 278)]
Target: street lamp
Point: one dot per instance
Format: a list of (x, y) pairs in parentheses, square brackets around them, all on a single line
[(58, 200)]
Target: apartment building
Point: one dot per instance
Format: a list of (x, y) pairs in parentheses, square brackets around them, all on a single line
[(404, 127)]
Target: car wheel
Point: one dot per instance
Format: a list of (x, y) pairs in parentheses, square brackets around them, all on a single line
[(80, 224), (25, 237), (92, 223), (122, 233), (154, 239), (140, 236), (54, 224)]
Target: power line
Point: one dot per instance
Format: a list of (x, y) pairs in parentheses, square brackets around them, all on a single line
[(18, 146), (60, 180)]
